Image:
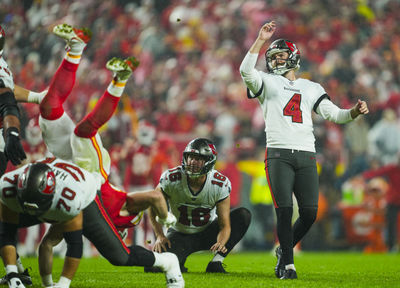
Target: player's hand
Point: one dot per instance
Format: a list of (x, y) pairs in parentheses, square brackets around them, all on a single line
[(218, 247), (161, 244), (360, 108), (267, 30), (13, 147)]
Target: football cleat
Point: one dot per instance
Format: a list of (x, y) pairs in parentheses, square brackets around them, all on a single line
[(280, 267), (24, 276), (170, 265), (72, 35), (215, 267), (14, 281), (122, 69), (288, 274), (158, 270)]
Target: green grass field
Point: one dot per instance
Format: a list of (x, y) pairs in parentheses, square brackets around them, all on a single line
[(245, 270)]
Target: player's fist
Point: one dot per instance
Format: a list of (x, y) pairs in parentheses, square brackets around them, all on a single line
[(13, 147)]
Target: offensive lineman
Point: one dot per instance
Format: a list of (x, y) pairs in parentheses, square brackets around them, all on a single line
[(287, 103), (9, 116), (199, 199), (53, 120)]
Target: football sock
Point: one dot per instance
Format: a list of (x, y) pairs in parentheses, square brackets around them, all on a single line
[(47, 280), (11, 268), (64, 282), (51, 107), (75, 53), (19, 265), (303, 223), (101, 113), (116, 87), (290, 267), (218, 258), (284, 231)]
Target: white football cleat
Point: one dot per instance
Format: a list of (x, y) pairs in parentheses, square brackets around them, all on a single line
[(13, 281), (169, 263), (167, 222)]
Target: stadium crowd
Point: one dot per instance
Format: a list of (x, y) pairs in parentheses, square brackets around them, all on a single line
[(188, 85)]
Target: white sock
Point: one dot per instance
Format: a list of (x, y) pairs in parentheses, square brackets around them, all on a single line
[(11, 268), (116, 88), (218, 258), (64, 282), (20, 266), (290, 267), (47, 280)]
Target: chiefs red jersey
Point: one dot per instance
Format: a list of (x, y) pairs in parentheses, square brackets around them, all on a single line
[(114, 201)]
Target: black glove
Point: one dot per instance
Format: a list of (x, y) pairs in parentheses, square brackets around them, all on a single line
[(13, 149)]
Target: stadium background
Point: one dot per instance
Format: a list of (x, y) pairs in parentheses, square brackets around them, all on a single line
[(188, 85)]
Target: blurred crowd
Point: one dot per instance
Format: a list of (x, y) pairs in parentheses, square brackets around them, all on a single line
[(188, 85)]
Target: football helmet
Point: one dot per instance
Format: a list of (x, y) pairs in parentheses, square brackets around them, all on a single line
[(205, 149), (2, 40), (283, 45), (35, 189)]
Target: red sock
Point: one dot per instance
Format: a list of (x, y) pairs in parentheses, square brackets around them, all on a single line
[(63, 81), (100, 114)]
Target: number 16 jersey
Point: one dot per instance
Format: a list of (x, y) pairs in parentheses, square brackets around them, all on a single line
[(194, 212)]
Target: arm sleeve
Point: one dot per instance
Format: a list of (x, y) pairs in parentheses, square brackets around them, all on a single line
[(8, 104), (331, 112), (250, 75)]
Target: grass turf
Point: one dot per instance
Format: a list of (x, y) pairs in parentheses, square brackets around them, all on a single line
[(245, 270)]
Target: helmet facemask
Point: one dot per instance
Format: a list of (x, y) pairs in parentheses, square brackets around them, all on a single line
[(291, 63), (200, 149)]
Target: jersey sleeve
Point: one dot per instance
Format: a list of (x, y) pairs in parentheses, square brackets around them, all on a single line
[(251, 77), (8, 190), (164, 182)]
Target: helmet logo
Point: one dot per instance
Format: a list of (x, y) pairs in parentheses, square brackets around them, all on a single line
[(292, 47), (213, 149), (49, 185)]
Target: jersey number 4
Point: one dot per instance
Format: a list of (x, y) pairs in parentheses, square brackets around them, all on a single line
[(292, 109)]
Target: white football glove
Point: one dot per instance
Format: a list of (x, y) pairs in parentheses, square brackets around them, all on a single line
[(167, 222)]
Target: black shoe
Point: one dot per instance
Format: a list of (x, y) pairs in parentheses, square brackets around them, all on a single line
[(215, 267), (289, 274), (280, 267), (25, 277)]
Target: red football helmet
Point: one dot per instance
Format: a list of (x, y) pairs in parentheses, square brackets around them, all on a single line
[(2, 40)]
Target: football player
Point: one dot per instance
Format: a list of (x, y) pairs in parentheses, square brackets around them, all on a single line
[(287, 103), (199, 198), (10, 146), (59, 192), (82, 145)]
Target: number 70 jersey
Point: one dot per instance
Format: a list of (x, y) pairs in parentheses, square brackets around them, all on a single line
[(75, 189), (194, 212)]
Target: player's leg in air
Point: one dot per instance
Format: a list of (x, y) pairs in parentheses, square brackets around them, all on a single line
[(56, 125)]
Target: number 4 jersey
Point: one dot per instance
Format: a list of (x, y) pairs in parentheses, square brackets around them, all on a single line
[(75, 189), (194, 212)]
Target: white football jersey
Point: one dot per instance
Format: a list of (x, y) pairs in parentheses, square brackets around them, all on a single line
[(287, 108), (75, 189), (194, 212), (6, 75)]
